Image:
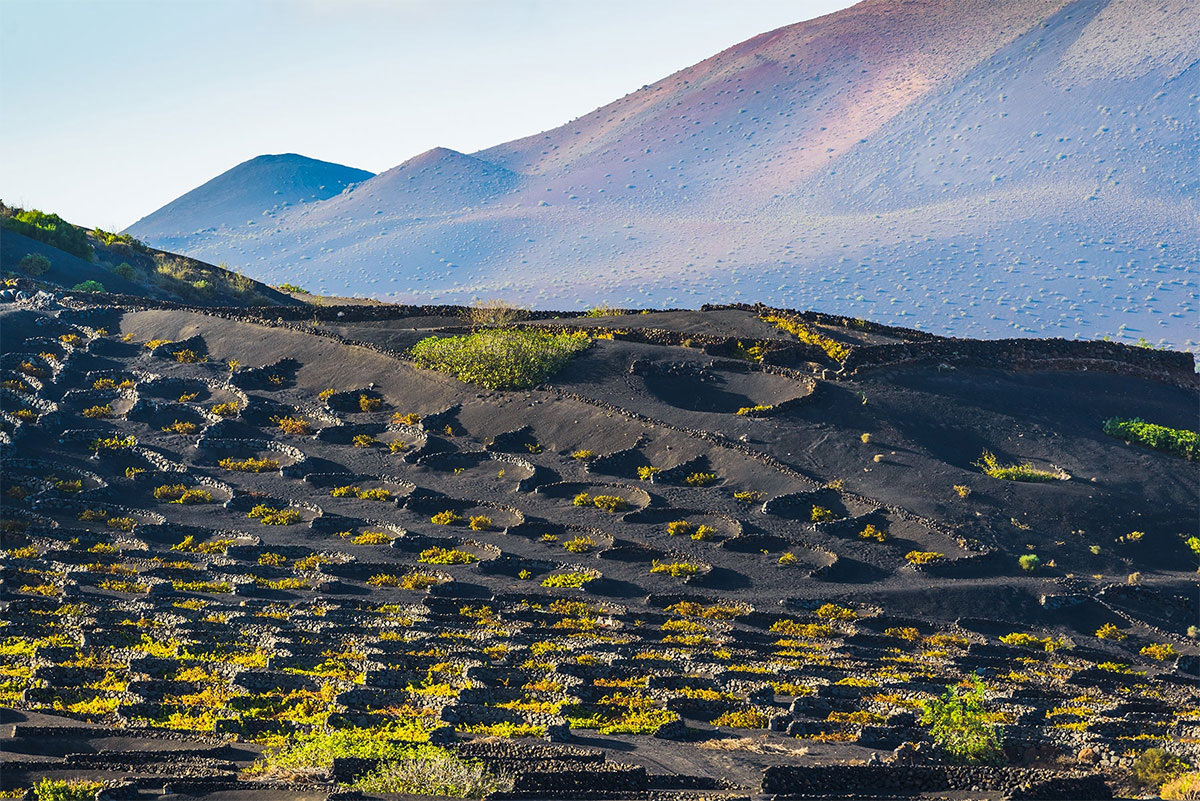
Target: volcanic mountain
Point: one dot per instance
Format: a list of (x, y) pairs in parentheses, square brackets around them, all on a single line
[(240, 198), (965, 166)]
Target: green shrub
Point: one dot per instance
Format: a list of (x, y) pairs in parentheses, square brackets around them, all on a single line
[(124, 270), (446, 556), (1178, 441), (568, 580), (249, 464), (501, 358), (1155, 767), (675, 569), (34, 264), (429, 770), (63, 790), (51, 229), (88, 286), (108, 239), (1030, 562), (822, 515), (318, 749), (1182, 788), (270, 516), (1013, 472), (295, 290), (609, 503), (959, 723)]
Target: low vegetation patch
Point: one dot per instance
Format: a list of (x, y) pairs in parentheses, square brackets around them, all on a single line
[(409, 581), (991, 466), (569, 580), (810, 335), (295, 426), (181, 494), (609, 503), (675, 569), (1178, 441), (64, 790), (500, 358), (249, 465), (229, 409), (446, 556), (431, 771), (873, 533), (270, 516)]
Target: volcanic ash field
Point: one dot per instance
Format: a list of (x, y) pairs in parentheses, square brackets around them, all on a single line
[(719, 553)]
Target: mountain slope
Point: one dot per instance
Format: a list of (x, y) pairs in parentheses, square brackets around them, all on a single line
[(121, 265), (966, 166), (243, 195)]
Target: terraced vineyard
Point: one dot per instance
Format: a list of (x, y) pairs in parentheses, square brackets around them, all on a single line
[(720, 553)]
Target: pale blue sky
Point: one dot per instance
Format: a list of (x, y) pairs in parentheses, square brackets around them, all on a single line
[(112, 108)]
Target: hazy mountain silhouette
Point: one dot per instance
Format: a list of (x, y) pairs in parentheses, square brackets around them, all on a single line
[(246, 196)]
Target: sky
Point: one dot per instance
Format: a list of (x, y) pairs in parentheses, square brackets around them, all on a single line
[(110, 109)]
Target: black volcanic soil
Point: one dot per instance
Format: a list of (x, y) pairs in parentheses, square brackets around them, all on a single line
[(809, 483)]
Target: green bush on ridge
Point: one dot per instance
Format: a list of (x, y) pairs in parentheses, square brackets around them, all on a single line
[(1178, 441), (500, 359), (49, 228)]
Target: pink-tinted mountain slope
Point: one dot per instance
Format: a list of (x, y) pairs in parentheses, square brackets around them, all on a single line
[(969, 166)]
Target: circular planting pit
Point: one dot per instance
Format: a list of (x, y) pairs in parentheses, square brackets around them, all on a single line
[(350, 532), (623, 550), (362, 435), (383, 576), (99, 403), (95, 516), (172, 418), (449, 514), (756, 542), (174, 534), (282, 420), (518, 567), (723, 391), (824, 505), (598, 497), (444, 552), (191, 390), (684, 524), (479, 467), (405, 441), (362, 491), (704, 607), (565, 541), (248, 456), (275, 513), (161, 487), (36, 476), (678, 569), (17, 525), (571, 579)]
